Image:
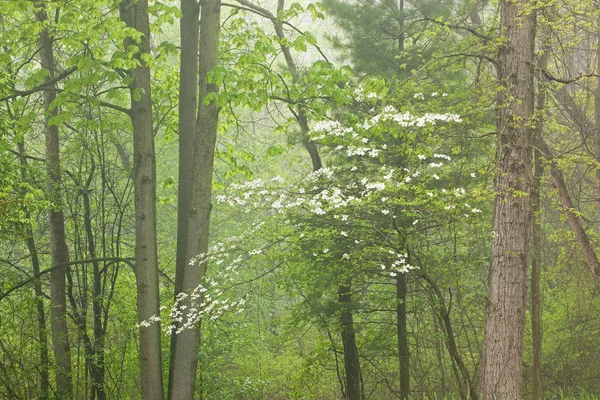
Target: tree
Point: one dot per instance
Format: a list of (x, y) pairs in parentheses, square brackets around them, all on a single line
[(505, 310), (58, 321), (195, 232), (135, 15)]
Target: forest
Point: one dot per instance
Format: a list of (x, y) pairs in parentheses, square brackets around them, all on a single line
[(346, 199)]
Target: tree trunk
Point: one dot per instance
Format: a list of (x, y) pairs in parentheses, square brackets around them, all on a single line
[(536, 264), (185, 351), (135, 15), (58, 245), (351, 359), (44, 367), (507, 292), (468, 389), (572, 214), (188, 95), (402, 331), (536, 259), (97, 370), (41, 317)]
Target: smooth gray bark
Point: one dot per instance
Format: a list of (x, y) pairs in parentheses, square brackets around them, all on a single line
[(185, 351), (188, 94), (135, 14)]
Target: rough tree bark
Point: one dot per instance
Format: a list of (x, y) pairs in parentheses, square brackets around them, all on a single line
[(58, 245), (185, 351), (507, 292), (597, 125), (135, 14)]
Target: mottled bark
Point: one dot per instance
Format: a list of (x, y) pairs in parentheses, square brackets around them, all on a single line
[(507, 292), (597, 126), (135, 14), (58, 245), (185, 351)]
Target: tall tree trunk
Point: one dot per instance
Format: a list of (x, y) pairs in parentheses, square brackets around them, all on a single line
[(135, 14), (402, 333), (185, 351), (351, 359), (536, 259), (507, 292), (97, 370), (44, 367), (188, 97), (58, 245), (536, 264), (41, 317)]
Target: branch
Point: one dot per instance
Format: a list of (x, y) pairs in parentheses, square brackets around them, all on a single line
[(43, 86), (128, 261), (249, 6), (115, 107), (570, 210), (457, 27), (16, 153), (551, 77)]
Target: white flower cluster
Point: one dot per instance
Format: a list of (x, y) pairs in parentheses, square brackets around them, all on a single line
[(397, 266), (190, 309), (361, 95), (206, 300)]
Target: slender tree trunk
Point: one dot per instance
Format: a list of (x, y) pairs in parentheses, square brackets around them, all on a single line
[(188, 94), (135, 15), (468, 388), (507, 292), (536, 264), (572, 216), (97, 356), (44, 367), (536, 259), (41, 317), (438, 354), (58, 245), (351, 359), (185, 352), (402, 333)]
